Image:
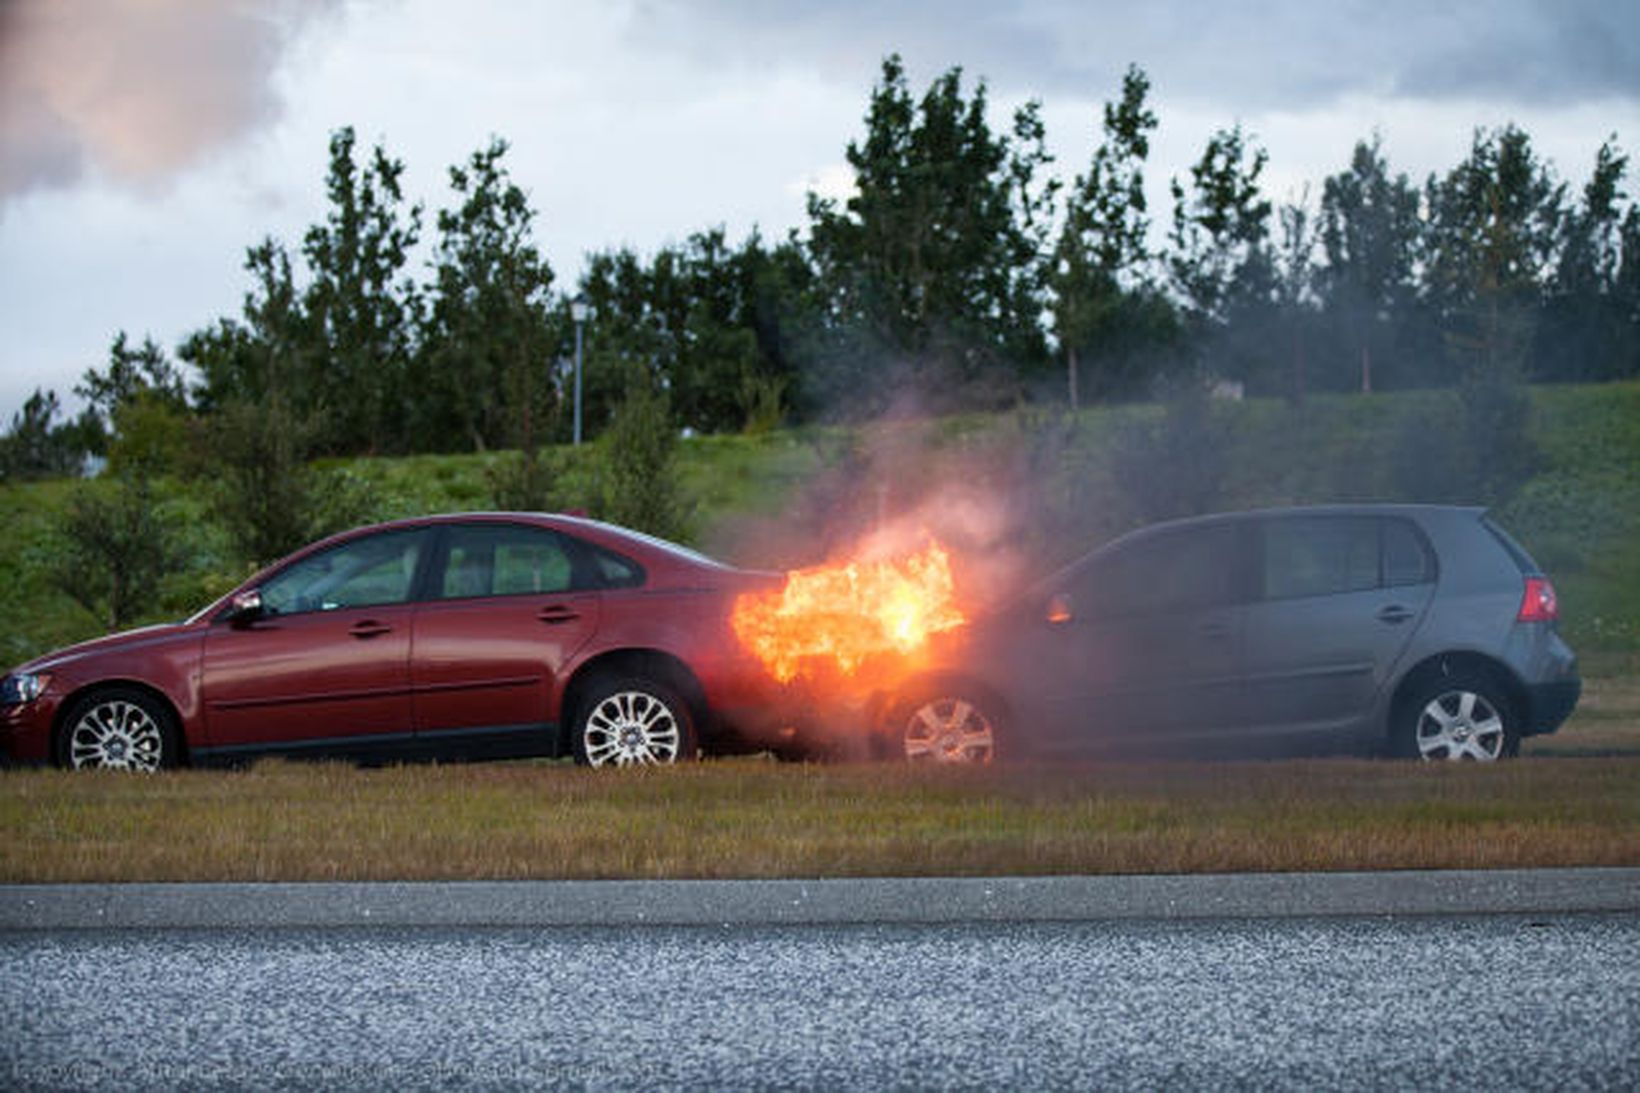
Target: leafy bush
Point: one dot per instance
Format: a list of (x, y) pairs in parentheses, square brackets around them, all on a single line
[(638, 483), (118, 545), (270, 499), (522, 482)]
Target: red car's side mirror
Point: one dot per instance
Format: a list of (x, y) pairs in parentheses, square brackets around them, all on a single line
[(246, 607)]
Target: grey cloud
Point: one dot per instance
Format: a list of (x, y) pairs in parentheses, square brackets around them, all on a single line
[(1277, 54), (137, 89), (36, 149), (1534, 51)]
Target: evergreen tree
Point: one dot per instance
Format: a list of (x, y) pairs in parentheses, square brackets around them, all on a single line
[(263, 422), (630, 334), (715, 352), (37, 446), (269, 351), (132, 373)]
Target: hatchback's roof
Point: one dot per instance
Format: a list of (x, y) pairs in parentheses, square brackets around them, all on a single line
[(1364, 509)]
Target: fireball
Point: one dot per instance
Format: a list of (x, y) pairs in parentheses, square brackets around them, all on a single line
[(843, 614)]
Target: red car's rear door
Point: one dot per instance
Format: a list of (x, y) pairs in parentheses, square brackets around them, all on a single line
[(507, 609)]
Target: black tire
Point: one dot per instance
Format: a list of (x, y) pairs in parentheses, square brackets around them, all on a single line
[(1464, 715), (119, 728), (633, 721), (943, 725)]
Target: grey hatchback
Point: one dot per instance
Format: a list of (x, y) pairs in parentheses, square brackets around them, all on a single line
[(1409, 630)]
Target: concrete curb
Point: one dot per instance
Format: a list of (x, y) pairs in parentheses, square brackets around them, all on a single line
[(813, 902)]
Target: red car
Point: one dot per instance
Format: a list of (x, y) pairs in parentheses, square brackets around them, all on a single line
[(484, 635)]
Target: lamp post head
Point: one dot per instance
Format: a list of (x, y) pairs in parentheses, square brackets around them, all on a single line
[(579, 310)]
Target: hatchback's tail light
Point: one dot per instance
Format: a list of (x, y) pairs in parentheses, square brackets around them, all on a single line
[(1539, 603)]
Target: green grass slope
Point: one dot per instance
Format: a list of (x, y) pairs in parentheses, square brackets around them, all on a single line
[(1579, 514)]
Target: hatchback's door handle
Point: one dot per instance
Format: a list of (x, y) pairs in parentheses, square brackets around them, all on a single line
[(556, 614), (369, 629), (1214, 631), (1395, 614)]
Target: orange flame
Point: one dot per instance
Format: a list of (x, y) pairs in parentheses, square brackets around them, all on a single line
[(847, 612)]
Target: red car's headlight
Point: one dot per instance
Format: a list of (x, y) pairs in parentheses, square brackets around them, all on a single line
[(24, 687)]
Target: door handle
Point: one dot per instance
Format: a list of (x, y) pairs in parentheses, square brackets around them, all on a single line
[(1394, 614), (369, 629), (557, 614), (1213, 631)]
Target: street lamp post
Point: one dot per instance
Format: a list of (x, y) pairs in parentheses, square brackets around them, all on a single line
[(578, 312)]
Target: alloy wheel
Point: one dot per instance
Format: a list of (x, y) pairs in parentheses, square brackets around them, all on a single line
[(949, 730), (116, 734), (631, 728), (1460, 724)]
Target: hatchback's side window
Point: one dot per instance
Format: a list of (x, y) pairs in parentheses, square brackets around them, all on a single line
[(1179, 571), (504, 560), (1406, 559), (368, 572), (1319, 556)]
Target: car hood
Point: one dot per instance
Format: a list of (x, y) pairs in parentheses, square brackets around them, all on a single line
[(124, 641)]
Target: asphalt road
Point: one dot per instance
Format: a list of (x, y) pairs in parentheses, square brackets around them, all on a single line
[(835, 901), (1455, 1001)]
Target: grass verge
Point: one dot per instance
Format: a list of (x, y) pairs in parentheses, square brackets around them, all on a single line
[(295, 822)]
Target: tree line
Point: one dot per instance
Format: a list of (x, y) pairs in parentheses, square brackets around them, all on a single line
[(962, 271)]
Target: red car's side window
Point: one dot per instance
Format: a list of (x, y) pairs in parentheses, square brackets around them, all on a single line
[(505, 560), (367, 572)]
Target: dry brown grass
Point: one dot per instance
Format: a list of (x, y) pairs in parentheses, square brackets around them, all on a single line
[(281, 821), (1573, 800)]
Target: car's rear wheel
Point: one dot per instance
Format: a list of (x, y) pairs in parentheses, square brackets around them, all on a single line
[(630, 721), (944, 726), (119, 728), (1458, 717)]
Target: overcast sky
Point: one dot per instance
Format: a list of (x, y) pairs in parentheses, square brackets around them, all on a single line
[(144, 144)]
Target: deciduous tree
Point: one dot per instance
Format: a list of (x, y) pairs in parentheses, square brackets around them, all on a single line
[(932, 272), (358, 308), (1369, 233), (1111, 319), (490, 318)]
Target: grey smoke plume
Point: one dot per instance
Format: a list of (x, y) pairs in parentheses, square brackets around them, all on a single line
[(135, 90)]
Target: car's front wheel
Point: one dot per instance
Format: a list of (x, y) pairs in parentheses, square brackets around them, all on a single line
[(1457, 717), (944, 726), (119, 728), (631, 721)]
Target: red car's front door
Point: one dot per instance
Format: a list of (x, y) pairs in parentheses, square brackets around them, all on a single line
[(327, 659), (310, 677)]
